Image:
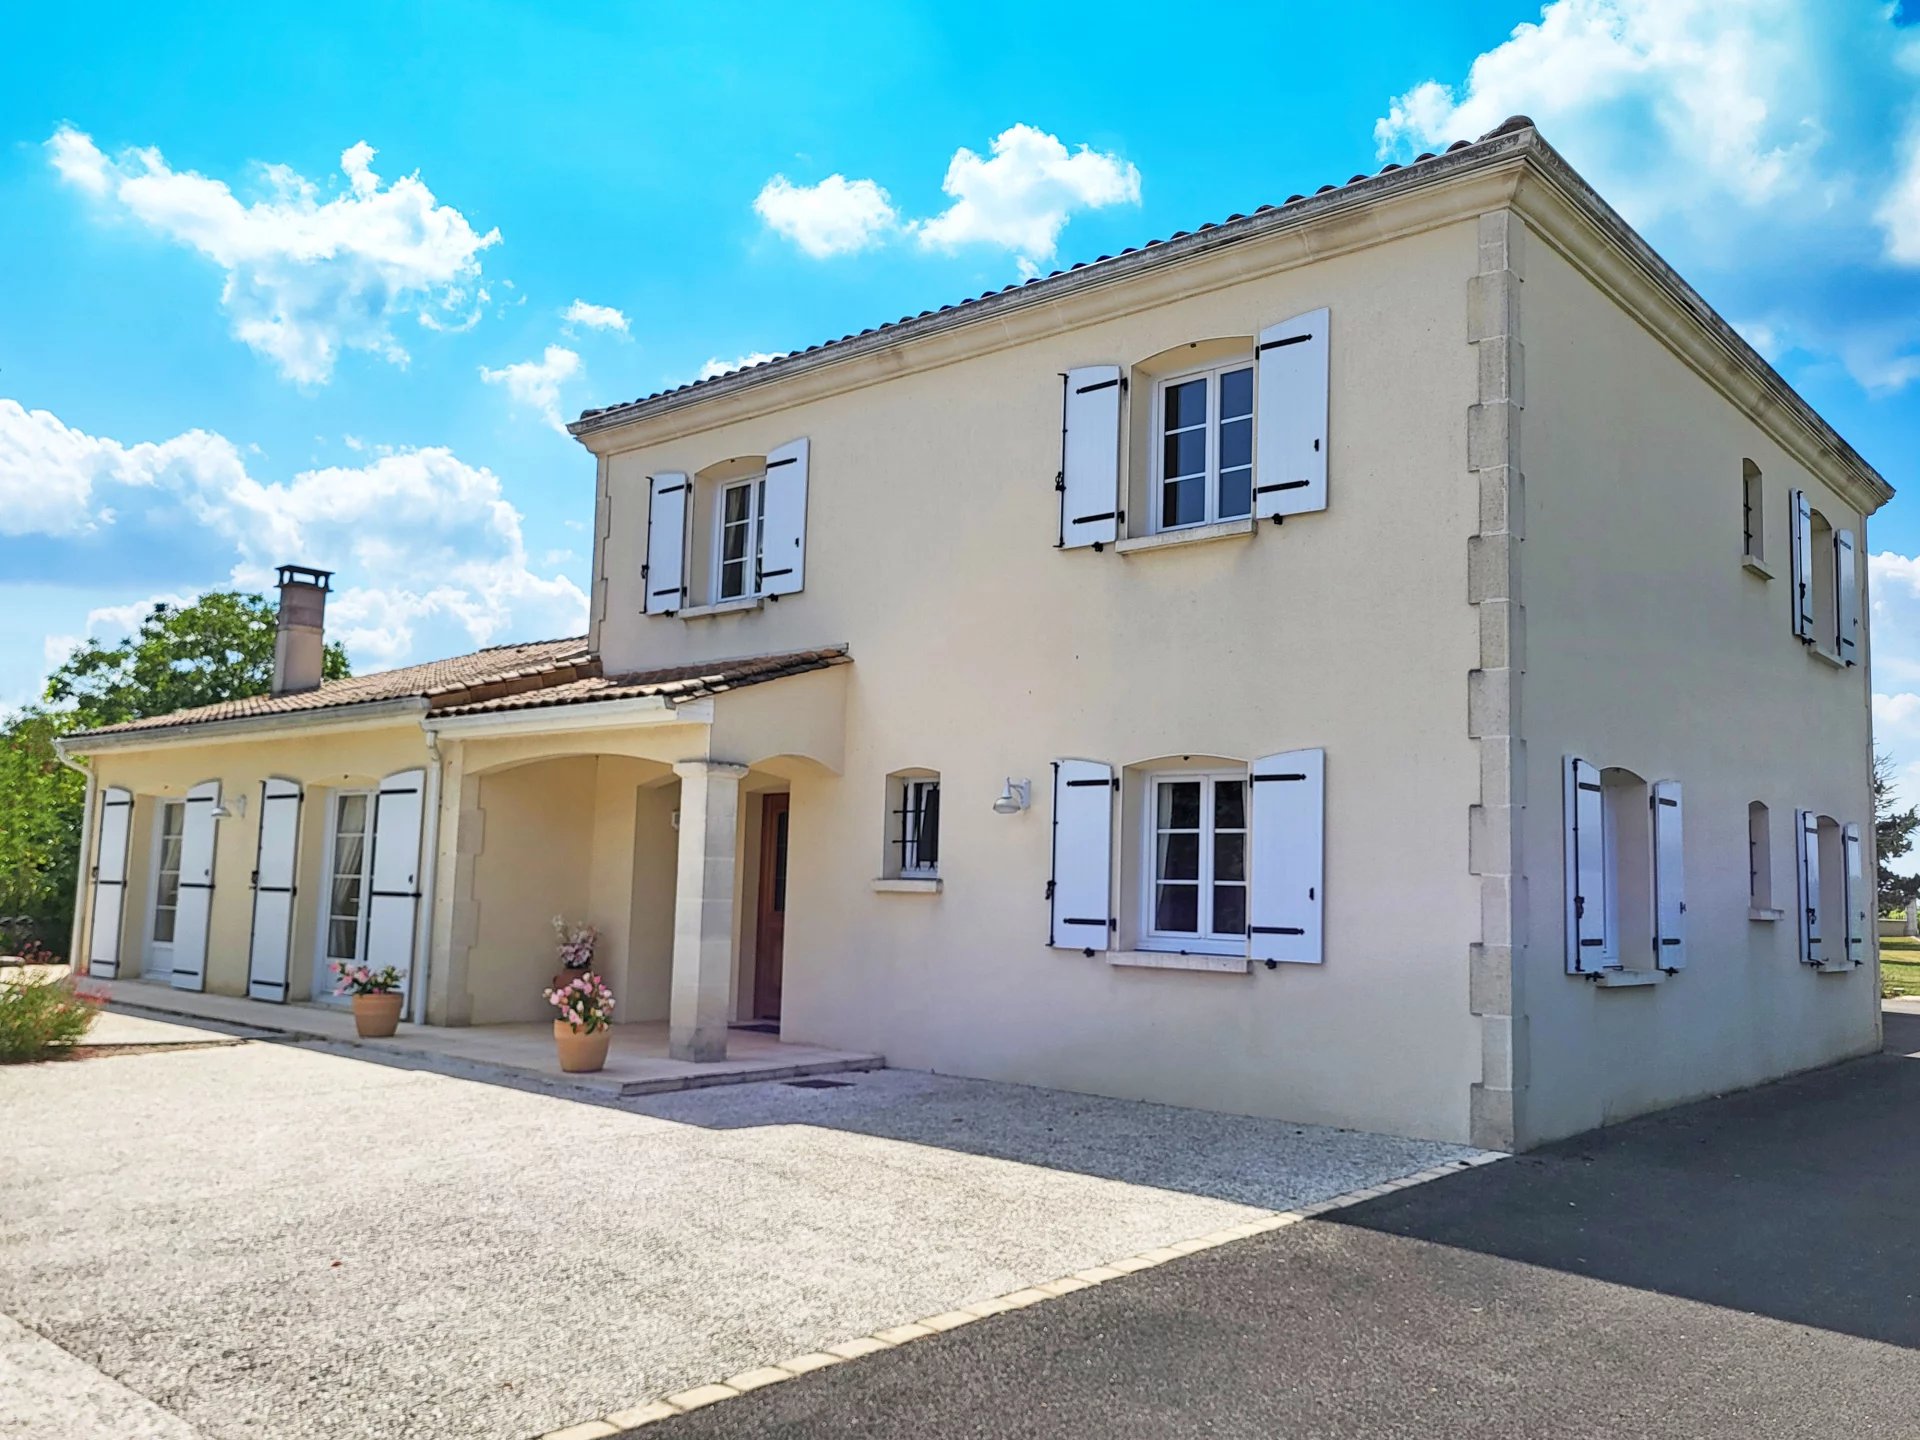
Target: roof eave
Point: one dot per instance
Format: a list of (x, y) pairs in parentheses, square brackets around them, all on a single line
[(357, 715)]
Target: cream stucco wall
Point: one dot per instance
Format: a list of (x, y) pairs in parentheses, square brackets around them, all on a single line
[(320, 760), (1649, 646), (981, 651)]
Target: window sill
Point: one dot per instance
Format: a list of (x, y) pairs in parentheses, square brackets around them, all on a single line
[(1629, 979), (1175, 960), (723, 607), (1756, 566), (1836, 967), (1756, 913), (1826, 656), (907, 885), (1189, 535)]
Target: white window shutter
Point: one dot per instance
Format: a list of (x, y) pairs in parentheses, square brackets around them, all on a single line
[(1846, 609), (1090, 457), (1669, 878), (1806, 827), (393, 896), (1287, 847), (1290, 421), (1081, 891), (1586, 868), (109, 882), (783, 518), (267, 951), (665, 576), (1800, 521), (1859, 897), (194, 914)]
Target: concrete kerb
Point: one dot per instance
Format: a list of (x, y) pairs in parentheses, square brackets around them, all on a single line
[(701, 1396)]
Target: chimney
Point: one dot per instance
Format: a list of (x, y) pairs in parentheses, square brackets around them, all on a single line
[(300, 643)]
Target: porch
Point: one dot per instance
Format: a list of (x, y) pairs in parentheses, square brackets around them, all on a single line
[(637, 1064)]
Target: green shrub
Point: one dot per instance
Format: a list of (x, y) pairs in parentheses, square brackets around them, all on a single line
[(39, 1018)]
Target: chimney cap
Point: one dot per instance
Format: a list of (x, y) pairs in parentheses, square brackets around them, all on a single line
[(305, 575)]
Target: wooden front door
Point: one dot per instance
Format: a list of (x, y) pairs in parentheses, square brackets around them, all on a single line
[(770, 925)]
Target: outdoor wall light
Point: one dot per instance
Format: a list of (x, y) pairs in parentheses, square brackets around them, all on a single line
[(1017, 795), (231, 809)]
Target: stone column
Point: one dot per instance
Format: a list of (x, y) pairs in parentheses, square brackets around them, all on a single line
[(703, 910)]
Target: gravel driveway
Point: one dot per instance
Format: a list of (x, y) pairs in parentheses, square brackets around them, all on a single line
[(280, 1239)]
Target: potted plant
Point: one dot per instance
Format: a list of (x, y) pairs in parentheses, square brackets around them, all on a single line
[(376, 998), (584, 1027)]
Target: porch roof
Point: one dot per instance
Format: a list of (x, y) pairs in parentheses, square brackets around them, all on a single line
[(677, 683)]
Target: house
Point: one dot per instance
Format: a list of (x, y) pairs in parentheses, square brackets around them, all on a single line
[(1393, 659)]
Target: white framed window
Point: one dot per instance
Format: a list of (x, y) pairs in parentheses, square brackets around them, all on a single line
[(1759, 857), (918, 835), (1203, 446), (739, 538), (171, 827), (1196, 863), (349, 854), (1753, 513)]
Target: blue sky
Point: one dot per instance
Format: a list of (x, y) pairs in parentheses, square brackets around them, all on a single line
[(293, 283)]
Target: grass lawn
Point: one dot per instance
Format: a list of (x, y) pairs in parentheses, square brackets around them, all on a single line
[(1899, 966)]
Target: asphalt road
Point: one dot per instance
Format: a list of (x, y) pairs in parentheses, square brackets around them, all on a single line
[(1742, 1267)]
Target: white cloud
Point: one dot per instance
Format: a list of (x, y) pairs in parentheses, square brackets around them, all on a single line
[(428, 550), (716, 366), (595, 317), (536, 383), (306, 276), (1770, 149), (836, 217), (1021, 197)]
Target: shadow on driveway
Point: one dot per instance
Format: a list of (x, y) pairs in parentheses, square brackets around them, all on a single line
[(1795, 1201)]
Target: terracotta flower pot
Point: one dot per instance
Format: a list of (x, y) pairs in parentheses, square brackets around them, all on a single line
[(581, 1052), (376, 1016)]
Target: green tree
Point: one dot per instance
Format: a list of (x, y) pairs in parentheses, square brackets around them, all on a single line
[(1894, 832), (220, 647)]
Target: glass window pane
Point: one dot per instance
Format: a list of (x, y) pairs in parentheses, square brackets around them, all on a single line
[(1236, 494), (928, 848), (1186, 403), (167, 889), (1230, 804), (1184, 503), (1236, 393), (353, 814), (734, 502), (1236, 444), (733, 543), (163, 925), (1179, 857), (342, 939), (1179, 805), (1229, 909), (1230, 856), (1185, 453), (1176, 909), (172, 818), (733, 579)]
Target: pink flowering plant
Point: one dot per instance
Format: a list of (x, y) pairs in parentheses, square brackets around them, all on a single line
[(360, 980), (585, 1003), (577, 943)]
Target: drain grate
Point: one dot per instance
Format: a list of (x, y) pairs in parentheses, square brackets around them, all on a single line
[(817, 1084)]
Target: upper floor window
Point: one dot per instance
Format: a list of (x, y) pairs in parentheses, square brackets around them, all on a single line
[(913, 826), (741, 538), (1204, 456)]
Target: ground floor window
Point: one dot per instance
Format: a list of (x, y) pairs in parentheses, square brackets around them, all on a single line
[(348, 858), (166, 876), (1196, 896)]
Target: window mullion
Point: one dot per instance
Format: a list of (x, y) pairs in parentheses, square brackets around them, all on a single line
[(1212, 511)]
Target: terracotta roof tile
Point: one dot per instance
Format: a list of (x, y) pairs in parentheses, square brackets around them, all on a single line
[(679, 683), (461, 678)]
